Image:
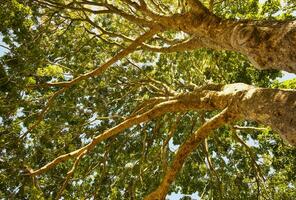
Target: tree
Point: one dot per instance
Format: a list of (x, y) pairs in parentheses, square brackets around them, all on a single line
[(96, 95)]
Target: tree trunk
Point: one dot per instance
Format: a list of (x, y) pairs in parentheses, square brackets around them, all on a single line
[(272, 107), (267, 44)]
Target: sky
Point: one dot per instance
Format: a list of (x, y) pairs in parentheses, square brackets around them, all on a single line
[(287, 76)]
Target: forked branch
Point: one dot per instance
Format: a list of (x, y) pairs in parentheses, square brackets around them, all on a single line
[(185, 149)]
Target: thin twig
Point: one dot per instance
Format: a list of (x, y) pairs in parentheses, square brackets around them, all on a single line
[(43, 112), (251, 128), (70, 174)]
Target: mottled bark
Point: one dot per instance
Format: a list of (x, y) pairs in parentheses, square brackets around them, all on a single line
[(267, 44), (272, 107)]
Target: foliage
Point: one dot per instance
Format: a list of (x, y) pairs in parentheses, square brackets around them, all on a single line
[(288, 84), (49, 44)]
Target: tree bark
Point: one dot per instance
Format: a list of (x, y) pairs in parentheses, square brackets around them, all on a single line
[(267, 44), (272, 107)]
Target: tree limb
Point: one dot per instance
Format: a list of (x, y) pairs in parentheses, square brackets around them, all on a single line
[(137, 42), (185, 149), (159, 109), (246, 102)]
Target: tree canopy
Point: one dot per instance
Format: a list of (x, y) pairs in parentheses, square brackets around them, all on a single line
[(134, 99)]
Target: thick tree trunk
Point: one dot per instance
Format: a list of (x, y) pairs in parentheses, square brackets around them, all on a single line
[(272, 107), (267, 44)]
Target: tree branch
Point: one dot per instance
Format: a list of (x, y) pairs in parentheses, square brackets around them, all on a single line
[(185, 149), (245, 102), (165, 147), (248, 128), (159, 109), (137, 42)]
